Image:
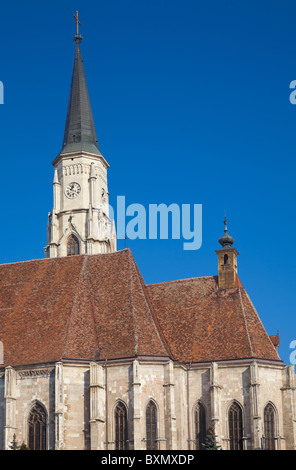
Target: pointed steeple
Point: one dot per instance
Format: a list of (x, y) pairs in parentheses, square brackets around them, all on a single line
[(80, 183), (80, 133)]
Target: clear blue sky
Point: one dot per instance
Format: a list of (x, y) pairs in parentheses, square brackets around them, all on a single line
[(191, 105)]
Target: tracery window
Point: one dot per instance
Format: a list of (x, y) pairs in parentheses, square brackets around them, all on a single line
[(200, 426), (37, 428), (151, 426), (73, 246), (269, 427), (120, 415), (235, 423)]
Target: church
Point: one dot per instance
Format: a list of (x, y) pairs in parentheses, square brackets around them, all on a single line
[(93, 358)]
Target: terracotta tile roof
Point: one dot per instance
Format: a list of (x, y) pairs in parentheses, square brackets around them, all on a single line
[(87, 307), (202, 323), (74, 307)]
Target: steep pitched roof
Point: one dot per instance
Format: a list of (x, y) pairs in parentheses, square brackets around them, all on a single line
[(202, 323), (77, 308), (86, 307)]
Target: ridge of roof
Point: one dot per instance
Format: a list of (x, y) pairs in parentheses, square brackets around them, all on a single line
[(88, 321), (133, 268), (151, 307), (132, 307), (72, 308), (122, 321), (268, 338), (44, 260), (189, 279), (245, 322)]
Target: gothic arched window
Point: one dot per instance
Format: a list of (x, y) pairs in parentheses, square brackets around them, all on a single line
[(73, 246), (37, 428), (151, 426), (235, 423), (200, 426), (120, 416), (269, 427)]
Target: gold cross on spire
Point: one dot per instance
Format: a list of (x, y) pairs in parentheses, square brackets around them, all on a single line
[(77, 22)]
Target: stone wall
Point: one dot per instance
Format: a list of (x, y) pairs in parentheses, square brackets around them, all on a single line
[(80, 401)]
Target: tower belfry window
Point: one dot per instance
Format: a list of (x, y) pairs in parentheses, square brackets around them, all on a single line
[(226, 259), (73, 246)]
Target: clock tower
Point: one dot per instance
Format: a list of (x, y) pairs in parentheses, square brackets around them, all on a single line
[(79, 222)]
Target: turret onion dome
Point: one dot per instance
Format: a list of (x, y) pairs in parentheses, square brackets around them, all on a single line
[(226, 240)]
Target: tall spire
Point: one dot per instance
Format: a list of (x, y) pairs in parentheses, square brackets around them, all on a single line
[(79, 222), (80, 133)]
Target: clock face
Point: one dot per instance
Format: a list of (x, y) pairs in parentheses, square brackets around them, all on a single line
[(72, 190)]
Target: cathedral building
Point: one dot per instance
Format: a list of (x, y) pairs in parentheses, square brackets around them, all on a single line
[(93, 358)]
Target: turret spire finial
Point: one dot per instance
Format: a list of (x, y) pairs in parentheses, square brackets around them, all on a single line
[(225, 222), (77, 37), (79, 134), (227, 260), (226, 240)]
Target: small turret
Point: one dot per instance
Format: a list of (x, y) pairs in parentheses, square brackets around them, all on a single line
[(227, 261)]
